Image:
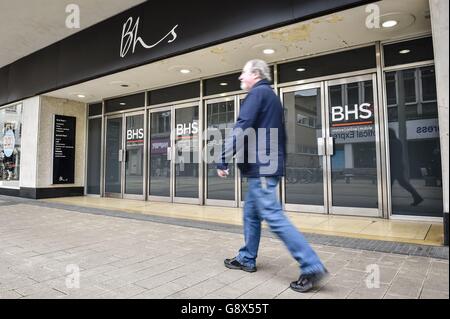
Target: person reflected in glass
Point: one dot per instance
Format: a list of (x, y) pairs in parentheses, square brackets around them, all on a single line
[(398, 168)]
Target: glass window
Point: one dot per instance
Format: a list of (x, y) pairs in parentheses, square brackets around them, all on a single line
[(391, 89), (409, 82), (94, 158), (95, 109), (125, 103), (415, 159), (174, 93), (226, 83), (10, 144), (408, 51), (428, 84), (335, 63)]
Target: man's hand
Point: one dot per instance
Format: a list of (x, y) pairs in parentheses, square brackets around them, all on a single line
[(222, 172)]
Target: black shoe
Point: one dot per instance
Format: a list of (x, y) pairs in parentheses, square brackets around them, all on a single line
[(417, 201), (234, 264), (308, 281)]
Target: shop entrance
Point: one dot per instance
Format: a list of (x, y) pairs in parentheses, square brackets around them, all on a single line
[(174, 154), (333, 157), (124, 156)]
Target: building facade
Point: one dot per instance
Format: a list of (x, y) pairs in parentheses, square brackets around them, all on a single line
[(134, 106)]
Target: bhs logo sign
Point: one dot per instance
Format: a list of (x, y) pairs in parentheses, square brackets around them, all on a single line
[(183, 129), (358, 113), (136, 134), (130, 37)]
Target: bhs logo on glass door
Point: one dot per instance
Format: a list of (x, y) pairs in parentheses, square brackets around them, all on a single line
[(187, 129), (136, 134), (357, 115)]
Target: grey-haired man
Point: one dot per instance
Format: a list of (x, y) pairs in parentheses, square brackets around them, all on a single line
[(262, 112)]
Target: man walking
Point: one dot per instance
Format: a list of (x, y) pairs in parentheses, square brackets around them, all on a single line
[(262, 113)]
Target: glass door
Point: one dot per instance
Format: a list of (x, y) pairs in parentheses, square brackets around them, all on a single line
[(160, 183), (333, 155), (134, 156), (125, 156), (220, 118), (174, 159), (113, 156), (304, 182), (187, 154), (353, 168)]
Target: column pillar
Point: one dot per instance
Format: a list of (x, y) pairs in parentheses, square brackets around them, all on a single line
[(439, 25)]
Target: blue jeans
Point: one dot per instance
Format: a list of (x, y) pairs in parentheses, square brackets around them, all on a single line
[(261, 203)]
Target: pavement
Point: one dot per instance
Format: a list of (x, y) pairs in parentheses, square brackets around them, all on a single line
[(49, 251)]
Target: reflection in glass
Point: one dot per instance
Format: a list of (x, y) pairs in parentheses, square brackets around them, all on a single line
[(353, 164), (304, 167), (414, 145), (187, 131), (113, 145), (159, 146), (220, 121), (398, 167), (134, 163)]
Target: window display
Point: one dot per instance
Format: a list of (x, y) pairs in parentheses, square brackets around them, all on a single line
[(10, 142)]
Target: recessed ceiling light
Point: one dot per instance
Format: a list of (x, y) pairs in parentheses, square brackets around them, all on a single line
[(389, 23), (300, 70), (405, 51), (123, 103), (124, 85), (185, 71), (268, 51), (81, 96), (223, 83)]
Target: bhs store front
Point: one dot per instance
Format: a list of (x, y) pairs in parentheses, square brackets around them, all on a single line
[(363, 138)]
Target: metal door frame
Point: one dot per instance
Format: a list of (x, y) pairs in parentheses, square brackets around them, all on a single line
[(240, 197), (355, 211), (167, 199), (175, 198), (220, 202), (319, 209)]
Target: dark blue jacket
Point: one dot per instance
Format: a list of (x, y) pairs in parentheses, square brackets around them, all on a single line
[(262, 111)]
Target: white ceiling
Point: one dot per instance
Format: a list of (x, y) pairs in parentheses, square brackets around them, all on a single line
[(341, 30), (29, 25)]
